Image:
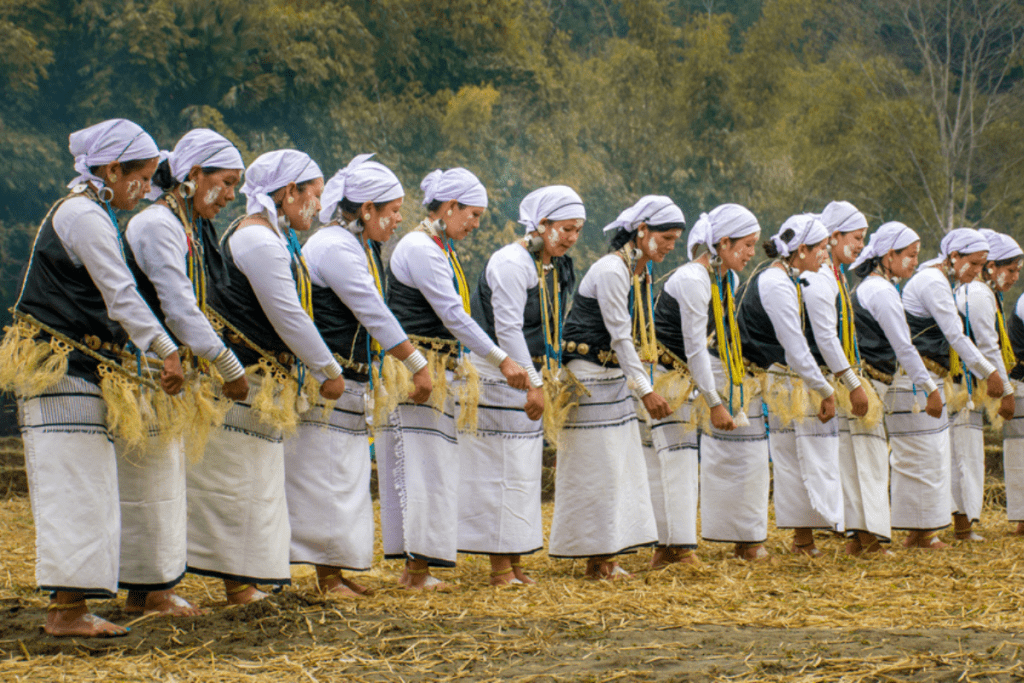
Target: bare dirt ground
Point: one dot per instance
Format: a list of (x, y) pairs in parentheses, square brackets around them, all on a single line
[(950, 616)]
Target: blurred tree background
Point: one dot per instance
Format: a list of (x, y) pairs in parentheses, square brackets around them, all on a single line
[(911, 109)]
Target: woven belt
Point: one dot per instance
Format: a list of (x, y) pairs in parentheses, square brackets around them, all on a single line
[(349, 364), (94, 343), (935, 367), (876, 374)]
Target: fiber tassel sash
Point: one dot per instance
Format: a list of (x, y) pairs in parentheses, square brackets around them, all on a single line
[(560, 398), (468, 396)]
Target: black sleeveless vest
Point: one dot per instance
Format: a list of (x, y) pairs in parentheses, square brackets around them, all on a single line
[(340, 328), (760, 344), (208, 238), (414, 312), (1015, 330), (928, 339), (533, 324), (875, 349), (236, 302), (584, 330), (63, 296), (668, 325)]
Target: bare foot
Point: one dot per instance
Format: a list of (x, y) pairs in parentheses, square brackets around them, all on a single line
[(338, 585), (603, 569), (856, 548), (419, 579), (809, 549), (505, 577), (242, 593), (924, 541), (522, 575), (752, 552), (663, 557), (73, 619), (165, 602)]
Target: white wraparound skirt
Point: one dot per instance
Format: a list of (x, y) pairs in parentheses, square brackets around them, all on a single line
[(805, 455), (602, 497), (154, 515), (327, 479), (1013, 457), (670, 449), (418, 471), (864, 468), (72, 479), (237, 514), (967, 465), (500, 472), (734, 478), (920, 489)]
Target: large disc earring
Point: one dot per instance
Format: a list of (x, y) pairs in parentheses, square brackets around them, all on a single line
[(188, 189), (106, 194)]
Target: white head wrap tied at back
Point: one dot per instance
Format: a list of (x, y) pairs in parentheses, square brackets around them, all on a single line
[(1000, 246), (890, 236), (200, 147), (807, 229), (272, 171), (962, 241), (652, 209), (842, 217), (455, 183), (104, 143), (361, 181), (554, 202), (728, 220)]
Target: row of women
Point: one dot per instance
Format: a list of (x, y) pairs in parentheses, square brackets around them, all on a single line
[(287, 352)]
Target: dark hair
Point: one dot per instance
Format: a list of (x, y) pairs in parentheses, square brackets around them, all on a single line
[(1003, 262), (866, 268), (621, 237), (165, 181), (437, 204), (301, 187), (350, 207), (769, 247), (127, 166)]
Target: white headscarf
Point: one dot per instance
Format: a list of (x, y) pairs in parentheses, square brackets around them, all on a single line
[(1000, 246), (554, 202), (728, 220), (807, 229), (455, 183), (842, 217), (200, 147), (272, 171), (962, 241), (361, 181), (651, 209), (106, 142), (890, 236)]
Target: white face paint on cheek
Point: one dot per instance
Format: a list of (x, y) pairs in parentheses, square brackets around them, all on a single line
[(652, 246), (385, 223), (308, 211), (962, 269), (848, 253), (906, 263), (134, 188), (552, 238), (212, 195), (1001, 280)]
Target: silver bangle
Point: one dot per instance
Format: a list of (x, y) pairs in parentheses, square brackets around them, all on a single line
[(415, 361), (713, 399), (228, 366), (850, 379)]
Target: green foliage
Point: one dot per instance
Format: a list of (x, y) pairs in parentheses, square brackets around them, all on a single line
[(781, 105)]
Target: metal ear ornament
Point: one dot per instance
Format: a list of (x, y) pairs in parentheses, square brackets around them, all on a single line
[(106, 194), (366, 217), (112, 178), (541, 228), (534, 244), (188, 189), (283, 222), (449, 212)]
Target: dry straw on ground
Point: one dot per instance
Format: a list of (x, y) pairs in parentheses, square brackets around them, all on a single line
[(954, 615)]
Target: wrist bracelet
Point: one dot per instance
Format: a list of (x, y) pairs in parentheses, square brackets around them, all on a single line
[(228, 366), (850, 379), (415, 361)]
